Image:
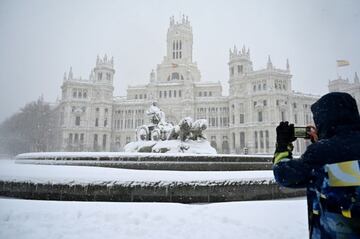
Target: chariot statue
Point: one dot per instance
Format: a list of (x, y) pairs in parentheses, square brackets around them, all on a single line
[(158, 130)]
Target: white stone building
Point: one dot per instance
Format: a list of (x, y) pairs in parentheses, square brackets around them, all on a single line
[(344, 85), (93, 119)]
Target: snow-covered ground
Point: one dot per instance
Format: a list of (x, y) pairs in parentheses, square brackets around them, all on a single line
[(55, 219), (11, 171)]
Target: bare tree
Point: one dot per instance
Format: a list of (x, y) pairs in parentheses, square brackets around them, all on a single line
[(33, 129)]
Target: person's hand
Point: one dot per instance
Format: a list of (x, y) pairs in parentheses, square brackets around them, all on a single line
[(313, 134), (285, 133), (284, 137)]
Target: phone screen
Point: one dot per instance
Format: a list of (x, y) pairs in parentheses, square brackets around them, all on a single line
[(300, 132)]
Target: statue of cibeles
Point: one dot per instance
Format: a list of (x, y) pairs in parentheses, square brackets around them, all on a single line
[(159, 130)]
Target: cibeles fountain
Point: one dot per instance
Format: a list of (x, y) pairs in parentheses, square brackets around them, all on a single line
[(162, 165), (160, 136)]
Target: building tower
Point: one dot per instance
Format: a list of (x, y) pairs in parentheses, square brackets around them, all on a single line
[(239, 65), (179, 41), (102, 77), (178, 60)]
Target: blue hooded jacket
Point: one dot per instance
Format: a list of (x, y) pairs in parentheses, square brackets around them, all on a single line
[(338, 123)]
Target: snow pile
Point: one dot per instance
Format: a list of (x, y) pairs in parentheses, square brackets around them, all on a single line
[(171, 146), (28, 219), (10, 171)]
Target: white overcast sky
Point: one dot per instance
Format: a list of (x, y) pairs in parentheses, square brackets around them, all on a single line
[(40, 40)]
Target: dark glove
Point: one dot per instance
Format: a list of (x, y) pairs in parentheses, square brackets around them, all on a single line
[(284, 137)]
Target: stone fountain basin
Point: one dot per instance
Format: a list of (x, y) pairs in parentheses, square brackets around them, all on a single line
[(49, 182), (152, 161)]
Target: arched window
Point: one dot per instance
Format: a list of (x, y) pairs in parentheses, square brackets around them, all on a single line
[(177, 45), (173, 45), (175, 76), (260, 116), (180, 45)]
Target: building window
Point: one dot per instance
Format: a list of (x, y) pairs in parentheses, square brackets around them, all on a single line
[(242, 140), (295, 118), (175, 76), (179, 93), (99, 75), (81, 138), (136, 97), (264, 102), (76, 138), (200, 94), (95, 141), (267, 140), (160, 94), (77, 121), (104, 141), (96, 122), (283, 116), (234, 140), (164, 94), (256, 140), (74, 94), (175, 93), (240, 68), (254, 88), (264, 86), (260, 116), (261, 139), (242, 118), (210, 93), (70, 138), (205, 93), (170, 93), (105, 122), (232, 71)]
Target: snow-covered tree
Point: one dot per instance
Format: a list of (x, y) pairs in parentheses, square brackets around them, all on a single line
[(32, 129)]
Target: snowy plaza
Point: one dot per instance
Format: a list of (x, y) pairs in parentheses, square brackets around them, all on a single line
[(21, 218), (179, 119)]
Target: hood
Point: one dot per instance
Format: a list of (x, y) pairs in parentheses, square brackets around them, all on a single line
[(332, 111)]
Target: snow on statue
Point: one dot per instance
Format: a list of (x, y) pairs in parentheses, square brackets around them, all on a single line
[(162, 137)]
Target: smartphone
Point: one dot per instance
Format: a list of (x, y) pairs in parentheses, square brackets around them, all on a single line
[(302, 132)]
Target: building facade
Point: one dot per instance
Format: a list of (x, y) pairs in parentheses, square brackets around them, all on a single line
[(244, 121), (344, 85)]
